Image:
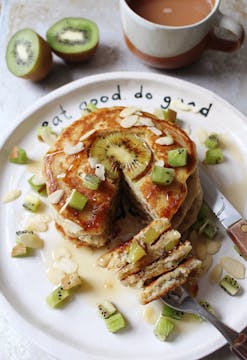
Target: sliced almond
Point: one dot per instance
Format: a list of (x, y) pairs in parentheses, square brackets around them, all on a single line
[(165, 140), (11, 196), (37, 222), (100, 171), (213, 246), (72, 227), (207, 263), (201, 249), (160, 163), (92, 162), (129, 111), (143, 121), (55, 197), (233, 267), (215, 274), (61, 252), (75, 149), (55, 275), (87, 134), (155, 130), (61, 176), (129, 121), (66, 265)]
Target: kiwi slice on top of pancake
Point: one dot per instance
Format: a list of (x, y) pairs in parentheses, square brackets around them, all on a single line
[(125, 151), (28, 55), (73, 39)]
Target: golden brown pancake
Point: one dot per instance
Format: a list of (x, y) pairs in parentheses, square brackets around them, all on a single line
[(91, 226)]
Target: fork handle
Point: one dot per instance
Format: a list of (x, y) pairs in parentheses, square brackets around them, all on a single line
[(239, 346), (237, 341)]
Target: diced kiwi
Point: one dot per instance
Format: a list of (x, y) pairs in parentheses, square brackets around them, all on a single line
[(73, 39), (106, 309), (70, 281), (40, 189), (18, 156), (91, 182), (153, 231), (77, 200), (57, 297), (172, 313), (28, 55), (29, 239), (177, 157), (171, 243), (162, 176), (213, 156), (115, 322), (171, 116), (90, 108), (20, 250), (136, 252), (44, 129), (208, 228), (163, 328), (31, 203), (122, 151), (204, 212), (230, 285), (212, 141)]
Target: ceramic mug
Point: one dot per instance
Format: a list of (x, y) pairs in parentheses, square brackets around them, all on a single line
[(171, 47)]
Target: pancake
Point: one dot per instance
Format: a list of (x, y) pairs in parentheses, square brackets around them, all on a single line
[(128, 155)]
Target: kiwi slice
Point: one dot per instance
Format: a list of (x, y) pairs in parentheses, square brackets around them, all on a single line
[(73, 39), (28, 56), (172, 313), (230, 285), (125, 151), (106, 309), (18, 156), (57, 297)]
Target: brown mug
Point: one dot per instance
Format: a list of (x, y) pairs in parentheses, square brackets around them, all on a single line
[(171, 47)]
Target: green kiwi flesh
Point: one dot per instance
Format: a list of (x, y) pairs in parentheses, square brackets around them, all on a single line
[(73, 39), (28, 56)]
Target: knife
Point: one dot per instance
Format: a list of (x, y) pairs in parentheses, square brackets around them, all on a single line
[(229, 217)]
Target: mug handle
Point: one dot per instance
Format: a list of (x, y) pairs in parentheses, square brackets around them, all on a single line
[(221, 44)]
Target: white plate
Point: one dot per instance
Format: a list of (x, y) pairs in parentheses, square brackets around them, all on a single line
[(76, 331)]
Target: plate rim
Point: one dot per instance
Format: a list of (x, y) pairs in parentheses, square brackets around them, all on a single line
[(47, 342)]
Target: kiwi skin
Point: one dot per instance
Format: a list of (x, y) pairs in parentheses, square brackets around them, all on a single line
[(79, 57), (44, 63)]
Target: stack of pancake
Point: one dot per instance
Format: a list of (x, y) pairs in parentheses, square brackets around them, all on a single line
[(124, 143)]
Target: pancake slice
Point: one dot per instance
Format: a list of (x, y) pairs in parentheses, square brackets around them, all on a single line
[(169, 281), (159, 266)]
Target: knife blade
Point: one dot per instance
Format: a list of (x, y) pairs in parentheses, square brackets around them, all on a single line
[(229, 217)]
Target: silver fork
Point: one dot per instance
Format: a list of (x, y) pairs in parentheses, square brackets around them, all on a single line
[(181, 300)]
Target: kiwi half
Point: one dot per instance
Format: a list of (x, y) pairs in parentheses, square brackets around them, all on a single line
[(28, 56), (73, 39), (125, 151)]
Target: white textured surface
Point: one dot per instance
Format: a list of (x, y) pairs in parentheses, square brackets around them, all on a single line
[(222, 73)]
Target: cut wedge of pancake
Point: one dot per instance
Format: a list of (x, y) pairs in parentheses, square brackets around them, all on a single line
[(169, 281), (156, 267)]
